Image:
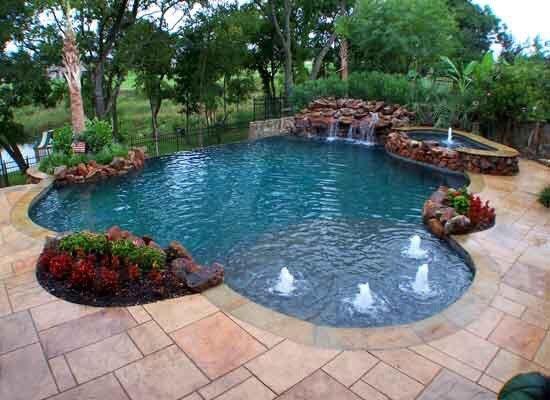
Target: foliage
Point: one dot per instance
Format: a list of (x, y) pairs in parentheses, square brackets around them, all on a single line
[(108, 280), (62, 140), (479, 213), (82, 273), (544, 197), (98, 135), (84, 241), (60, 265), (146, 258), (48, 164), (397, 35), (530, 386), (109, 152)]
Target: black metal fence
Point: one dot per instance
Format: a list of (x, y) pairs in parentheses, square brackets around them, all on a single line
[(271, 108), (182, 139), (10, 172)]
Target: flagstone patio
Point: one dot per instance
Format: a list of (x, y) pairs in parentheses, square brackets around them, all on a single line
[(197, 348)]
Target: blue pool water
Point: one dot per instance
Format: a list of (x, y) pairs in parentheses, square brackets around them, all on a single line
[(458, 140), (335, 214)]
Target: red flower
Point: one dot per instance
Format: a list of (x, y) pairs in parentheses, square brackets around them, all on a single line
[(45, 258), (134, 272), (61, 265), (115, 262), (155, 277), (479, 213), (83, 273), (108, 279)]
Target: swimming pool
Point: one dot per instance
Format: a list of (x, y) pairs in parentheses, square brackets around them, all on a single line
[(335, 215)]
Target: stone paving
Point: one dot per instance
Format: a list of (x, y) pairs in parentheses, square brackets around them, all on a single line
[(189, 349)]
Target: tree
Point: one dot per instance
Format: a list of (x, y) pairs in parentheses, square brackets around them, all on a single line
[(400, 35), (151, 50), (71, 62), (22, 76), (283, 30), (478, 28), (212, 50)]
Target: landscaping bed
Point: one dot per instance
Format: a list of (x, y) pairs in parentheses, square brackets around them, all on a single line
[(456, 212), (120, 269)]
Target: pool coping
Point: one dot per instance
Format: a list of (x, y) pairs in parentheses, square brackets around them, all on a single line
[(501, 150), (465, 310)]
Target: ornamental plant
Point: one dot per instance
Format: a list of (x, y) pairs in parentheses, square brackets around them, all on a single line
[(480, 214), (86, 242), (544, 197), (82, 274), (108, 280), (60, 265)]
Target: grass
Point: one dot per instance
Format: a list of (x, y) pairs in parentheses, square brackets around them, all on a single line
[(134, 115), (14, 178)]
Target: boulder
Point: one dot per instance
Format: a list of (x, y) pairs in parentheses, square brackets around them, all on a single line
[(183, 266), (114, 233), (81, 169), (458, 225), (176, 250), (205, 278), (60, 172), (436, 227), (117, 163)]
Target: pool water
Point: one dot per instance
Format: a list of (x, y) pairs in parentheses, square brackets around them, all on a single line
[(458, 140), (335, 214)]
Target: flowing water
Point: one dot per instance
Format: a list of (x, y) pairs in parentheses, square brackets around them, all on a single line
[(335, 215)]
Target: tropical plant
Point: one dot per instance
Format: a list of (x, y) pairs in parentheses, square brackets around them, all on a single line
[(62, 140), (530, 386), (544, 197), (97, 135)]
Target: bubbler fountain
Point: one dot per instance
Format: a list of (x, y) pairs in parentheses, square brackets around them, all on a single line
[(285, 284), (364, 300)]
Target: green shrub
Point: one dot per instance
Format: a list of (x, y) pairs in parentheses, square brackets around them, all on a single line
[(84, 241), (461, 204), (146, 258), (311, 90), (62, 140), (530, 386), (105, 156), (118, 150), (48, 164), (107, 153), (373, 85), (544, 197), (97, 135)]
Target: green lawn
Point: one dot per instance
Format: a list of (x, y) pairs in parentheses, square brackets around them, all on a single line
[(134, 115)]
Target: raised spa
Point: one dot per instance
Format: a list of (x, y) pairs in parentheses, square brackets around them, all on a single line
[(457, 140), (326, 232)]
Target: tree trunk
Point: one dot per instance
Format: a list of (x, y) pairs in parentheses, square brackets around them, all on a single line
[(71, 62), (99, 95), (13, 150), (320, 58), (344, 49), (344, 69)]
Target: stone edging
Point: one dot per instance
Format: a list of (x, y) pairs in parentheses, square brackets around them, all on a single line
[(502, 160), (464, 311), (500, 149)]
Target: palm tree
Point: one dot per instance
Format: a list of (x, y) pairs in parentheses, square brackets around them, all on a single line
[(71, 62)]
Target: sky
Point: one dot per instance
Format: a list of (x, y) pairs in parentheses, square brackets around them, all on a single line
[(524, 18)]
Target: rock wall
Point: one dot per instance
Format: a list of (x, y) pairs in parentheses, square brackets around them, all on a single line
[(431, 152), (92, 171), (271, 127), (325, 114)]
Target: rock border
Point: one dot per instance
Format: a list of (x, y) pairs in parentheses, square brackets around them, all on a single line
[(93, 172)]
